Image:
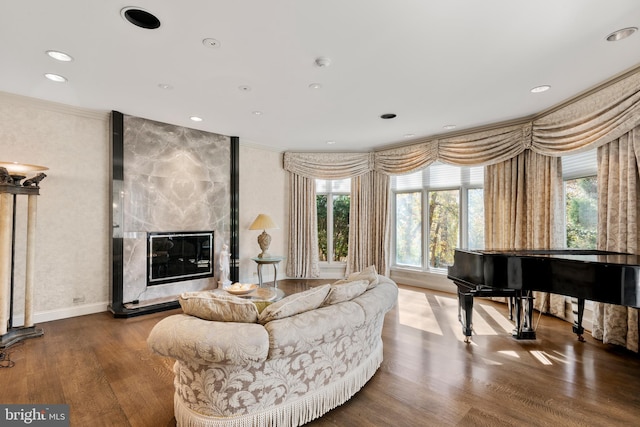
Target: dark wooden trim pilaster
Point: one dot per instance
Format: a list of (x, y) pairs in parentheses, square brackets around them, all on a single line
[(234, 244)]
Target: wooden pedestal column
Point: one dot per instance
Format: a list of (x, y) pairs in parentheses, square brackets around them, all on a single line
[(6, 226)]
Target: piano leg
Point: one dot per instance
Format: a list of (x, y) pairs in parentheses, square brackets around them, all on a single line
[(465, 311), (524, 317), (577, 318)]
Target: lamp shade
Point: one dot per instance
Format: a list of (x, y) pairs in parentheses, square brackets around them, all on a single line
[(263, 222), (20, 168)]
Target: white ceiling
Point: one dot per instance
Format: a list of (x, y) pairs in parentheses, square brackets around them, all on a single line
[(433, 63)]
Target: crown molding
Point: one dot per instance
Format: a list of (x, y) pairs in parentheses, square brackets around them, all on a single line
[(519, 121), (42, 104)]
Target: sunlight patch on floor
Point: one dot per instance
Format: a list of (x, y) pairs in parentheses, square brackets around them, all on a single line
[(414, 311), (540, 355), (510, 353), (501, 318)]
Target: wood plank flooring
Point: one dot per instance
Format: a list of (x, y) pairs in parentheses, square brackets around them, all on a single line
[(101, 367)]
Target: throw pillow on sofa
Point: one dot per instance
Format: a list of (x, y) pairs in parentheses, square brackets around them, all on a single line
[(208, 305), (369, 274), (345, 291), (295, 304)]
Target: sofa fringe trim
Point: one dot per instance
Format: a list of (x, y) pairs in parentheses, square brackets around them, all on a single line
[(295, 413)]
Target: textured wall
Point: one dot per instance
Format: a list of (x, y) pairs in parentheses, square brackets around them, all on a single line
[(175, 179), (73, 256), (262, 190), (72, 232)]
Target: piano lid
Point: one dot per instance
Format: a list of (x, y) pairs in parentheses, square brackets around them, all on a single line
[(582, 255)]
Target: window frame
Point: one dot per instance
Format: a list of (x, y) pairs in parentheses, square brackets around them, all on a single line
[(330, 193), (463, 216)]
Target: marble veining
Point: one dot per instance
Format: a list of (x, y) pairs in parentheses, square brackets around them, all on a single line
[(175, 179)]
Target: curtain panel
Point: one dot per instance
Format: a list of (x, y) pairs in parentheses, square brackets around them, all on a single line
[(618, 220), (523, 198), (369, 222), (302, 255)]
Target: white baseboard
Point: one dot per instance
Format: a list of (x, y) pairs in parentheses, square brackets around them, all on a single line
[(63, 313), (423, 279)]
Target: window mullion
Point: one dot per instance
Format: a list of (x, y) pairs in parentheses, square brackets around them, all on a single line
[(425, 228), (330, 227)]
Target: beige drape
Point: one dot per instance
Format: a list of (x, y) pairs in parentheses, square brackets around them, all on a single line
[(368, 216), (302, 254), (590, 121), (369, 222), (523, 204), (618, 216)]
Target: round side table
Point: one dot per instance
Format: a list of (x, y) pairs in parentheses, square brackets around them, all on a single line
[(274, 260)]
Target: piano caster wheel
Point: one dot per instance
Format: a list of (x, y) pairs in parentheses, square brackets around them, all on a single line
[(467, 339), (581, 338)]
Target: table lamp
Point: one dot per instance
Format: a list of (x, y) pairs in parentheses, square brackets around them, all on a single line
[(263, 222)]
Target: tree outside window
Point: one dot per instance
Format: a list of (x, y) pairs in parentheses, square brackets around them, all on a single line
[(443, 227), (581, 198), (437, 210), (409, 228), (333, 205)]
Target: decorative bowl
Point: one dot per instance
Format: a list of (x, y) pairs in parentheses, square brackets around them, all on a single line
[(241, 290)]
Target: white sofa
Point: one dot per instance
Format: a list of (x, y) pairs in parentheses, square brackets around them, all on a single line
[(287, 365)]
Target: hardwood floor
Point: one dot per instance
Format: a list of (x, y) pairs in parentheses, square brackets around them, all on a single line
[(101, 367)]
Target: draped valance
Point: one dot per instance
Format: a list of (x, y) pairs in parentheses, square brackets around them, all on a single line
[(588, 122)]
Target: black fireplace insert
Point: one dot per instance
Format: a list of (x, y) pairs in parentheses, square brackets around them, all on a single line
[(178, 256)]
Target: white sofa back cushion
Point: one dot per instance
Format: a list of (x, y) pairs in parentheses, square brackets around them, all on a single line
[(208, 305), (294, 304), (345, 291)]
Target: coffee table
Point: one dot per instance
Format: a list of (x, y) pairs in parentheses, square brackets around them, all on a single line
[(261, 294)]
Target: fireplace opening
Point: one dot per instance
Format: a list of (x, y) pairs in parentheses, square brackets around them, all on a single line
[(178, 256)]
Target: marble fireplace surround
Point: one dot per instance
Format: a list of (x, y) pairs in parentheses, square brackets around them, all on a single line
[(166, 178)]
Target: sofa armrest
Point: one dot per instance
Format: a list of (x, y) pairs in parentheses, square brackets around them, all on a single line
[(194, 340)]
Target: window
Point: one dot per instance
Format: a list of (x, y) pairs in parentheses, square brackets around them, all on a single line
[(333, 203), (581, 200), (436, 210)]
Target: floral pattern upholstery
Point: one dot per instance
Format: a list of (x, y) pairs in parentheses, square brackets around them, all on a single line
[(285, 372)]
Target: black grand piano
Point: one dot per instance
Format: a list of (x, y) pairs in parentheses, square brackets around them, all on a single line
[(594, 275)]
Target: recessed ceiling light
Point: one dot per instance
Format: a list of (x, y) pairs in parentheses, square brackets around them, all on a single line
[(56, 78), (244, 88), (165, 86), (315, 86), (388, 116), (59, 56), (449, 127), (212, 43), (196, 118), (331, 142), (621, 34), (539, 89), (140, 18), (257, 113)]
